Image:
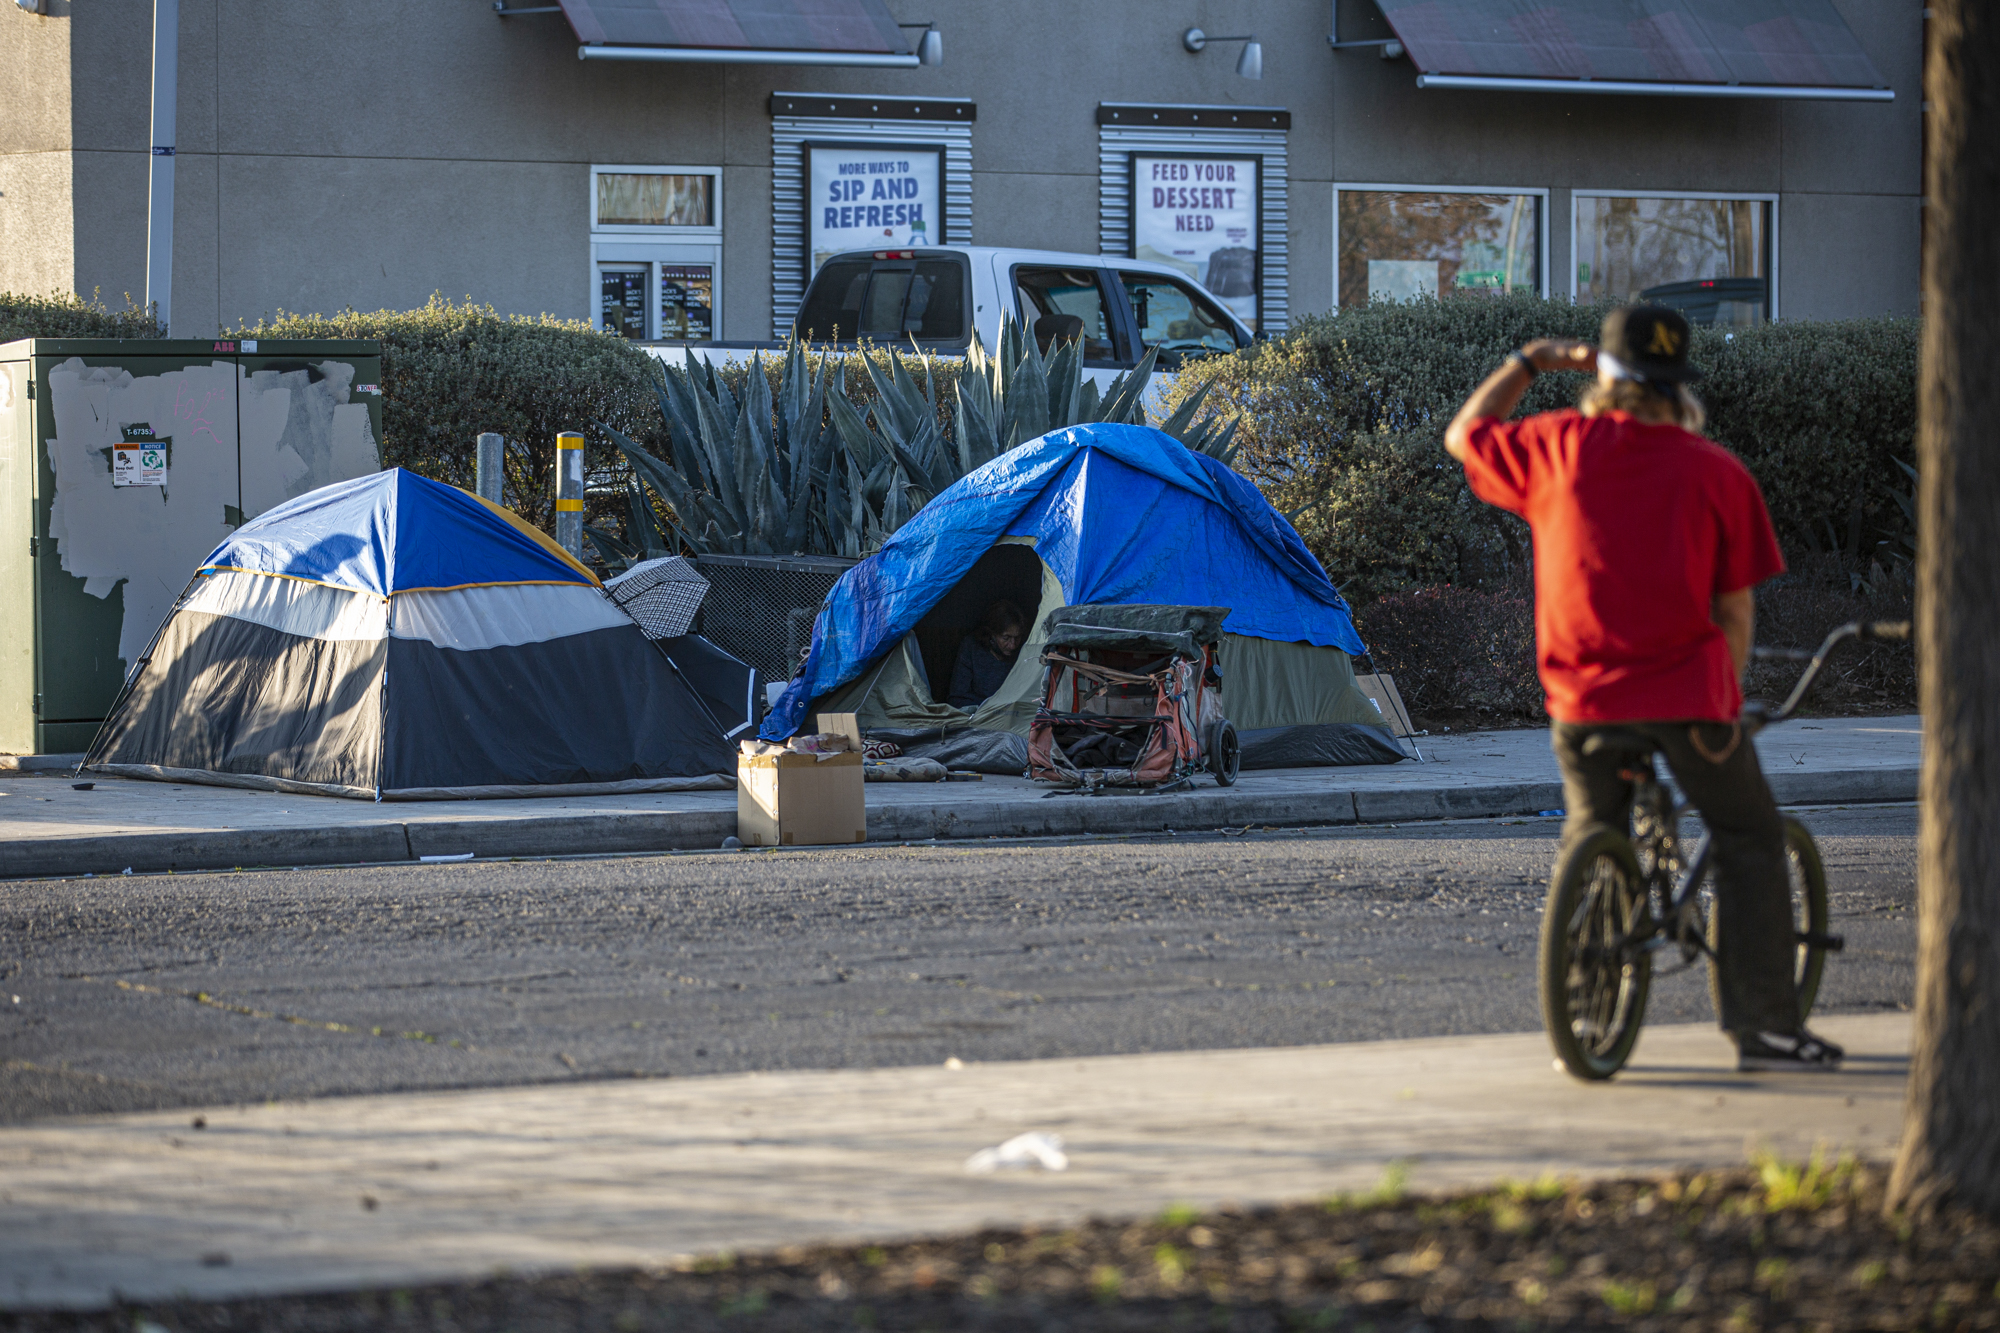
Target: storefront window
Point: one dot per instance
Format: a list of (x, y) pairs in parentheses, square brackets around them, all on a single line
[(647, 199), (687, 302), (1399, 244), (622, 299), (1706, 257), (656, 252)]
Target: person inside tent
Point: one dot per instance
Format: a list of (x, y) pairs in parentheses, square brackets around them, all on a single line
[(986, 655)]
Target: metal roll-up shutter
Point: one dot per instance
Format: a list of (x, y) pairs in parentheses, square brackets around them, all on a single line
[(797, 118), (1127, 128)]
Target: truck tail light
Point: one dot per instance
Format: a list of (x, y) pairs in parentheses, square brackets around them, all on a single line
[(895, 254)]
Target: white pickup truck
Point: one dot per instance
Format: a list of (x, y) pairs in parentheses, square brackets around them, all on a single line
[(935, 297)]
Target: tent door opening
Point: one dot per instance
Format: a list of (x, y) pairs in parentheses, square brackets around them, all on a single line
[(1007, 572)]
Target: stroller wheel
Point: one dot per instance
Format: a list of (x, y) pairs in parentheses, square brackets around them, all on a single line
[(1225, 756)]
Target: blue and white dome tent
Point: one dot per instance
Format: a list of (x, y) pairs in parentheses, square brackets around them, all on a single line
[(1089, 515), (396, 638)]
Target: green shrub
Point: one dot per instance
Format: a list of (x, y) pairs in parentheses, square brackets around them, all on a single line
[(1457, 652), (1819, 592), (65, 315), (1340, 417), (1464, 656), (1397, 515), (1821, 412)]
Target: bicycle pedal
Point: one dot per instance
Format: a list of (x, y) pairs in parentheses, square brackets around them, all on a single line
[(1830, 943)]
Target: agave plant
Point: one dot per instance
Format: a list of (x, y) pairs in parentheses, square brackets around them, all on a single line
[(807, 471), (744, 476)]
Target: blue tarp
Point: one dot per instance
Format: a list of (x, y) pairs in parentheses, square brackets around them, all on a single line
[(394, 532), (1118, 514)]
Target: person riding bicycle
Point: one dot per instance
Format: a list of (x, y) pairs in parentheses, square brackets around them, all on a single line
[(1648, 541)]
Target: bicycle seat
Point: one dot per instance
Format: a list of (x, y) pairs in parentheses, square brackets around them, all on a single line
[(1620, 742)]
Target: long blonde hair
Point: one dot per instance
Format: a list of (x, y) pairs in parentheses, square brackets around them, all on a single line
[(1645, 401)]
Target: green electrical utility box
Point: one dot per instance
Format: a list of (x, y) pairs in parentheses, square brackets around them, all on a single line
[(122, 465)]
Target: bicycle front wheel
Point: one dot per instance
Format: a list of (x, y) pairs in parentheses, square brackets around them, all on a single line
[(1806, 877), (1593, 980)]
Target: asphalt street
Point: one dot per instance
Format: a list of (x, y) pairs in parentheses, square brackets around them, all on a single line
[(213, 989)]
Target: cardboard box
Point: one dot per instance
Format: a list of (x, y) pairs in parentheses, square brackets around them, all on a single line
[(799, 800), (1381, 691)]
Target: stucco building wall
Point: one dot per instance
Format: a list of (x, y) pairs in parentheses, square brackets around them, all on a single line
[(364, 153)]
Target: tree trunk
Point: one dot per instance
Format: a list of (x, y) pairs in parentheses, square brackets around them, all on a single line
[(1951, 1136)]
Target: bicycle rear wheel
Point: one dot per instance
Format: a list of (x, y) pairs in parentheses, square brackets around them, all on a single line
[(1593, 984), (1810, 918)]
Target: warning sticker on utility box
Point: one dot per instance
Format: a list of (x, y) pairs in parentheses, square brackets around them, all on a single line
[(139, 458)]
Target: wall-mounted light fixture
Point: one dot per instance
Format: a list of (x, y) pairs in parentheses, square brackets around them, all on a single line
[(930, 47), (1250, 64)]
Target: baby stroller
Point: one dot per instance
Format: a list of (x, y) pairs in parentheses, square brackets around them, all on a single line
[(1132, 697)]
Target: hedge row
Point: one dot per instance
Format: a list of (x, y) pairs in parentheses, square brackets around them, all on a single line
[(66, 315), (1466, 656), (1343, 419), (451, 371)]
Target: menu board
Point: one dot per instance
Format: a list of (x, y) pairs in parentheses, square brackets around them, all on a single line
[(871, 196), (622, 300), (1198, 212), (687, 302)]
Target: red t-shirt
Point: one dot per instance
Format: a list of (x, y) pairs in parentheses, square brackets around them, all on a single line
[(1637, 527)]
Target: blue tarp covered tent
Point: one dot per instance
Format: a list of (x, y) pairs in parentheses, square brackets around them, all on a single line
[(392, 637), (1112, 514)]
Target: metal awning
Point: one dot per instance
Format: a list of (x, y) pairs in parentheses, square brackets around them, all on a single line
[(1690, 48), (743, 32)]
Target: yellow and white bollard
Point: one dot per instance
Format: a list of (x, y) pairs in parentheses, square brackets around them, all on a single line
[(569, 492)]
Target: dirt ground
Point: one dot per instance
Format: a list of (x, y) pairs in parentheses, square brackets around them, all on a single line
[(1773, 1246)]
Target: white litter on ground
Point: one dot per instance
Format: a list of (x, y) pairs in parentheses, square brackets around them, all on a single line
[(451, 856), (1034, 1148)]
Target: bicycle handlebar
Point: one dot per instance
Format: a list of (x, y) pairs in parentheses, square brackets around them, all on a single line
[(1757, 717)]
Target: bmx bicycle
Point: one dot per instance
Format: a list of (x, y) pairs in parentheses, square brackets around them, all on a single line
[(1618, 900)]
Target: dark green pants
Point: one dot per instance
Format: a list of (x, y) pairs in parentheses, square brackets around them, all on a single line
[(1753, 901)]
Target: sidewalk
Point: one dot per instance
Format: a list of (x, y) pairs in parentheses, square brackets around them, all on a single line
[(49, 828), (400, 1189)]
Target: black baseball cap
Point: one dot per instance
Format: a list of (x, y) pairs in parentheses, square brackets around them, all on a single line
[(1651, 341)]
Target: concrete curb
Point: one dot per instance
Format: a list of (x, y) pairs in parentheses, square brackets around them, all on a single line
[(39, 763), (217, 849), (1060, 816)]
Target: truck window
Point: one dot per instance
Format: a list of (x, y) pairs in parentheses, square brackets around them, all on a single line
[(936, 308), (887, 300), (832, 308), (1066, 291), (1175, 319)]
